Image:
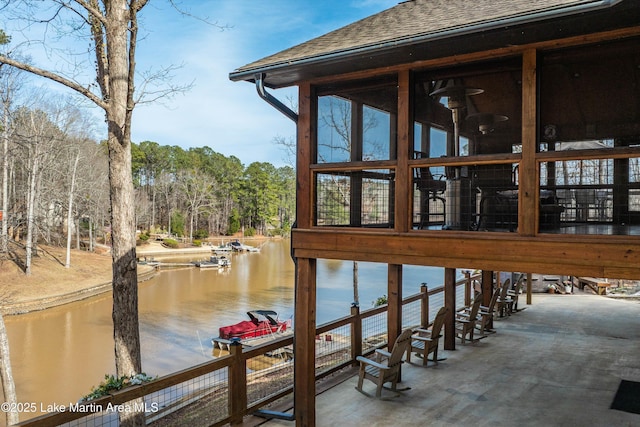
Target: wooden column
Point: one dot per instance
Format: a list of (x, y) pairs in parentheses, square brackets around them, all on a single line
[(529, 287), (404, 183), (450, 302), (305, 155), (528, 194), (304, 344), (356, 334), (304, 385), (394, 314), (487, 291), (238, 381), (424, 304)]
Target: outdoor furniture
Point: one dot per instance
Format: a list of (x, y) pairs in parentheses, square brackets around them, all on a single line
[(425, 341), (486, 313), (386, 366), (430, 188), (503, 304), (466, 321), (513, 295)]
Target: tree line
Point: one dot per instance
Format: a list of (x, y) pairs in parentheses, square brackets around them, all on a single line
[(56, 188), (198, 192)]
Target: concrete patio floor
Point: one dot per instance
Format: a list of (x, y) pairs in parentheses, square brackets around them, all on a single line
[(557, 363)]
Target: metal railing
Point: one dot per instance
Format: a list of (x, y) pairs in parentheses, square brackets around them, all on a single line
[(226, 389)]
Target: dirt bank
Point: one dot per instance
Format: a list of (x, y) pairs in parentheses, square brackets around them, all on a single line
[(50, 283)]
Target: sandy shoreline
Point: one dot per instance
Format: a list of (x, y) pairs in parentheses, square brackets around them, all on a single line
[(51, 284)]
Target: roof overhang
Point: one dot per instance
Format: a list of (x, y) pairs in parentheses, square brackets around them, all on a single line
[(558, 23)]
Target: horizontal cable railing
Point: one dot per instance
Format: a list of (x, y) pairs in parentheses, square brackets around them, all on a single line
[(226, 389)]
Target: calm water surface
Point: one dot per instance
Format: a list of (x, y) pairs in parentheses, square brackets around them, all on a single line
[(57, 355)]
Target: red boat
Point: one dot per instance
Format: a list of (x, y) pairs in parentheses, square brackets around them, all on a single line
[(262, 322)]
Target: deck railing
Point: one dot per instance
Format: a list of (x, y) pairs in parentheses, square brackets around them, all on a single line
[(224, 390)]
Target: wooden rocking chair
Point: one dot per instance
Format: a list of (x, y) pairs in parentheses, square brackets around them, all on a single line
[(505, 302), (466, 320), (486, 313), (386, 366), (426, 340)]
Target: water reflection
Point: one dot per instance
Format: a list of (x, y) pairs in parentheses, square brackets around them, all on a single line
[(59, 354)]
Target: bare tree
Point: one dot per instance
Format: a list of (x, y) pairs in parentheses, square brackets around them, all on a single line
[(113, 30), (197, 189)]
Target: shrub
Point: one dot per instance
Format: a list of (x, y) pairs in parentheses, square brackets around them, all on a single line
[(197, 242), (250, 232), (380, 301), (201, 234), (171, 243), (111, 383)]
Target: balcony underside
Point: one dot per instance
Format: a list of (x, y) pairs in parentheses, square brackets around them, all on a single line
[(597, 256)]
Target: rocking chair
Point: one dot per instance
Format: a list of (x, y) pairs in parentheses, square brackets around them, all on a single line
[(426, 340), (386, 367), (466, 321)]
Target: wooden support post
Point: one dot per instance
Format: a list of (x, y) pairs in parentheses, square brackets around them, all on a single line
[(403, 196), (394, 307), (487, 291), (356, 333), (528, 192), (394, 314), (450, 302), (304, 344), (529, 287), (424, 306), (468, 292), (237, 384)]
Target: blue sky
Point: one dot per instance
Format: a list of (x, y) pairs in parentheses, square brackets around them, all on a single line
[(226, 116), (230, 117)]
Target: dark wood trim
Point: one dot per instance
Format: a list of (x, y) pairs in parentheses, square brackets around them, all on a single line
[(487, 291), (306, 141), (528, 194), (450, 303), (601, 153), (403, 185), (508, 51), (482, 159), (304, 342), (578, 255), (351, 166), (394, 301)]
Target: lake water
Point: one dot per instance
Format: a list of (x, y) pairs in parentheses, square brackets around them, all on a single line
[(58, 354)]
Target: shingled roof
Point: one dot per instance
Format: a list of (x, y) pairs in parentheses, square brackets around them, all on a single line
[(416, 21)]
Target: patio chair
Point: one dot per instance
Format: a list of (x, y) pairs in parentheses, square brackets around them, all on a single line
[(486, 314), (505, 302), (386, 366), (426, 340), (513, 295), (466, 320)]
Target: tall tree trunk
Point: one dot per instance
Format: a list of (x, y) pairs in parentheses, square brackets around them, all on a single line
[(90, 234), (67, 263), (33, 173), (4, 236), (8, 386), (120, 57)]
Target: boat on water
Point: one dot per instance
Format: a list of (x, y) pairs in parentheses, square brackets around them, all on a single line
[(262, 324), (238, 246), (214, 262), (222, 248)]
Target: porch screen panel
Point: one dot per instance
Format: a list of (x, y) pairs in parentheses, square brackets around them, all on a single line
[(355, 198), (356, 121), (590, 135)]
